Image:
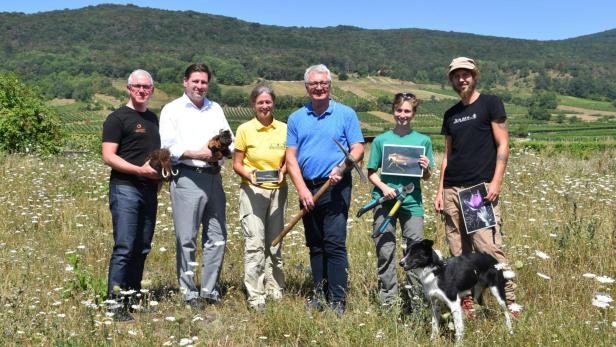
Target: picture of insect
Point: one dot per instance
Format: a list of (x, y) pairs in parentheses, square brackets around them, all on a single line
[(399, 160)]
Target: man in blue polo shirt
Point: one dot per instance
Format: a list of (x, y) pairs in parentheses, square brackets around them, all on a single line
[(312, 159)]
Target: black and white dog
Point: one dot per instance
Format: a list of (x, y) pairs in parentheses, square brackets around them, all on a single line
[(451, 279)]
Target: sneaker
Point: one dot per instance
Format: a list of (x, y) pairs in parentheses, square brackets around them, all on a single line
[(313, 304), (196, 304), (121, 314), (515, 309), (467, 307)]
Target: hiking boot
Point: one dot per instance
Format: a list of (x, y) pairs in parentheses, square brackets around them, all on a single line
[(313, 304), (514, 309), (258, 308), (467, 307), (196, 304), (338, 307)]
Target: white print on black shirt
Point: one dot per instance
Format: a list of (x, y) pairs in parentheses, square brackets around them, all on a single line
[(465, 118)]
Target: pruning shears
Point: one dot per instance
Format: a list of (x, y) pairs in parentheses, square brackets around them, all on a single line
[(406, 190)]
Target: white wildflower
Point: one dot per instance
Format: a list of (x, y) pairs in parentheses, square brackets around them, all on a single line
[(589, 275), (543, 276), (605, 279), (542, 255), (170, 319)]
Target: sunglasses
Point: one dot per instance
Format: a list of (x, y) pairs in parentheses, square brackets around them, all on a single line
[(405, 96)]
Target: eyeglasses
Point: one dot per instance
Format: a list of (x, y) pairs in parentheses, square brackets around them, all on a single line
[(322, 84), (405, 96), (137, 87)]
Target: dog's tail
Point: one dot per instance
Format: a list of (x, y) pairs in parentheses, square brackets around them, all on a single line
[(507, 274)]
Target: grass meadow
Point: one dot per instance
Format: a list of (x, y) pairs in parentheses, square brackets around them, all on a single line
[(56, 239)]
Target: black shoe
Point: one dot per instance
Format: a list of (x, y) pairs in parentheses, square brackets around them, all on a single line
[(213, 301), (313, 304), (196, 304), (121, 314), (338, 307)]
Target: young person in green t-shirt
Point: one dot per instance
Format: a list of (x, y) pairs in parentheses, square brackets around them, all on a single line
[(410, 214)]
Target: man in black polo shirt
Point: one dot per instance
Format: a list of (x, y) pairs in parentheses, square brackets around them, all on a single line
[(130, 133), (476, 151)]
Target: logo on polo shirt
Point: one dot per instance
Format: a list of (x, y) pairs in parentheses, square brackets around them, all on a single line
[(278, 146), (140, 129)]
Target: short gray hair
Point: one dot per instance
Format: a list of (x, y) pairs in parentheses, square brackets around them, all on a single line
[(320, 68), (261, 89), (140, 72)]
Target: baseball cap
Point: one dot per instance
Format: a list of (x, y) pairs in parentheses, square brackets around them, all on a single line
[(461, 63)]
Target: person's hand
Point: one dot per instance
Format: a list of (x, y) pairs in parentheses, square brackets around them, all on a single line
[(253, 177), (147, 171), (389, 193), (424, 161), (305, 197), (494, 189), (280, 176), (335, 176), (205, 154), (439, 204)]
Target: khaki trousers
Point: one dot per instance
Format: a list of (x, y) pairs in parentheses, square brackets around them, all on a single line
[(488, 240), (262, 218)]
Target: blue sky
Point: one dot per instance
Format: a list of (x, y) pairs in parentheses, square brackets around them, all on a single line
[(528, 19)]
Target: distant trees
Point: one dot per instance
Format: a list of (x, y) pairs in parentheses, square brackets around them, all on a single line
[(75, 53), (540, 104), (26, 124)]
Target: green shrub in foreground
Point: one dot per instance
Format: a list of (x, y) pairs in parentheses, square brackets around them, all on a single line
[(26, 124)]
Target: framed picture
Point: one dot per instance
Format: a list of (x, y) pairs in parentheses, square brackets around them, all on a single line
[(478, 213), (399, 160), (264, 176)]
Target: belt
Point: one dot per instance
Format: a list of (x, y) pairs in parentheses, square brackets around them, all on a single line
[(315, 182), (197, 169)]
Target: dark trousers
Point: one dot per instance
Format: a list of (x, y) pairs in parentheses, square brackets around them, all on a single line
[(325, 231), (133, 212)]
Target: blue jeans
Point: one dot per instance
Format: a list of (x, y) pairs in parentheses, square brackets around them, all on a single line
[(133, 212), (325, 231)]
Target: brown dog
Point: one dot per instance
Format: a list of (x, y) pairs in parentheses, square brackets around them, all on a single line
[(219, 145), (160, 160)]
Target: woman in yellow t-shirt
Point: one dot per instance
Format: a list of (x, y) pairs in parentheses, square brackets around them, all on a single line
[(259, 160)]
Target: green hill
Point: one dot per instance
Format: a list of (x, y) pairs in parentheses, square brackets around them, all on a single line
[(72, 53)]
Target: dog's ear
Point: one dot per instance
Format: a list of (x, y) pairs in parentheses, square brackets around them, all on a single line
[(428, 243)]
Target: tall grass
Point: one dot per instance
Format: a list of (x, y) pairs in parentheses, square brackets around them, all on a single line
[(55, 243)]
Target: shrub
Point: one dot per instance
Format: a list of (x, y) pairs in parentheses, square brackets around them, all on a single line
[(26, 124)]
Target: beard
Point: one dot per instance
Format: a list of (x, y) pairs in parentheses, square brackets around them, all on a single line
[(465, 94)]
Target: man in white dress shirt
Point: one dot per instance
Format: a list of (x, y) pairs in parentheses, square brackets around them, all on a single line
[(197, 195)]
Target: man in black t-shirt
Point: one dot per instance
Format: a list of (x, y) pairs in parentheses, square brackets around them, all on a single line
[(476, 151), (130, 133)]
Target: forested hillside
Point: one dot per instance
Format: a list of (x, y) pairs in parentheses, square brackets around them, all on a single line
[(74, 53)]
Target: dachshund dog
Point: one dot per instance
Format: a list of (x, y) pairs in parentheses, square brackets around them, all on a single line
[(160, 160), (219, 145)]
